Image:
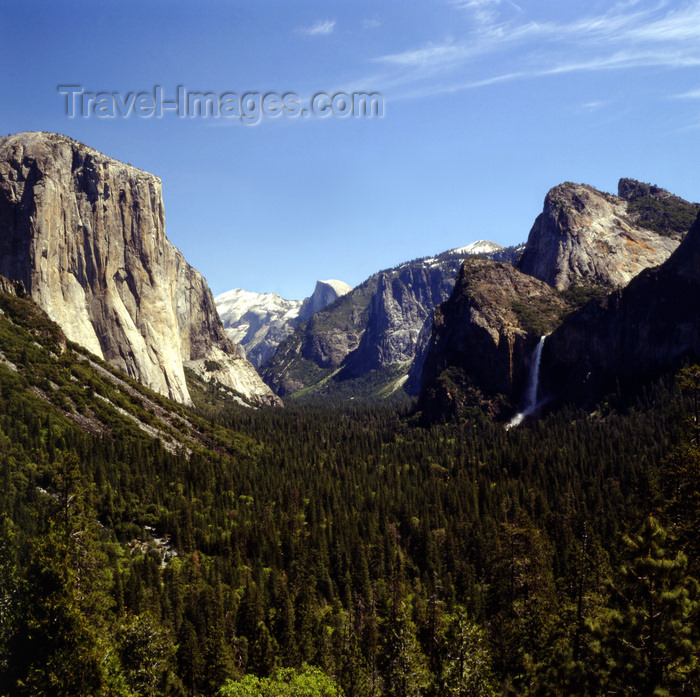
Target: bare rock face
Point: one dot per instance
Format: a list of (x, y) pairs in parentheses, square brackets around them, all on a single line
[(651, 325), (85, 234), (483, 339), (8, 287), (324, 294), (400, 313), (586, 236)]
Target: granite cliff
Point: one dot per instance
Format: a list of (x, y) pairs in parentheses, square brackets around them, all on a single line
[(649, 326), (483, 338), (585, 243), (400, 314), (590, 237), (85, 234), (324, 294)]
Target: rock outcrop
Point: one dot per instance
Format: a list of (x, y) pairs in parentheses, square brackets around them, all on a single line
[(584, 236), (483, 338), (85, 234), (399, 310), (324, 294), (649, 326)]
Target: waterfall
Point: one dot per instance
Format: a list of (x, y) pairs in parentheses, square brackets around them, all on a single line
[(532, 385), (534, 377)]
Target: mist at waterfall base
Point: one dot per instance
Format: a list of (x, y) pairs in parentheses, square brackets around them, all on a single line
[(532, 385)]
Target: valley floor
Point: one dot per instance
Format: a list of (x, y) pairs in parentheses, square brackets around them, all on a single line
[(394, 559)]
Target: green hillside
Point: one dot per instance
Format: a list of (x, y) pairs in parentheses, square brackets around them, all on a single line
[(150, 549)]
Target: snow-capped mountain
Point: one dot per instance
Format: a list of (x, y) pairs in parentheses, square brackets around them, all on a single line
[(258, 322), (486, 249), (478, 247)]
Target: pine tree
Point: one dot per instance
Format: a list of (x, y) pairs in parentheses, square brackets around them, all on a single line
[(521, 601), (59, 643), (262, 656), (147, 654), (650, 630), (406, 671), (466, 664), (681, 472), (189, 658)]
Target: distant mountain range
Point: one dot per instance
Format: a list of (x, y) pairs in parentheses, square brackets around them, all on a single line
[(611, 280), (258, 322), (371, 341)]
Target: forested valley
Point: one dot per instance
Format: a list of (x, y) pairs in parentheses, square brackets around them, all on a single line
[(338, 550)]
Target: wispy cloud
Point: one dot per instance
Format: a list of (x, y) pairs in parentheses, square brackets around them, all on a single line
[(506, 44), (430, 57), (372, 23), (321, 28), (592, 106), (692, 94), (484, 11)]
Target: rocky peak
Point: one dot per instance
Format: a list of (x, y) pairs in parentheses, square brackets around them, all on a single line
[(257, 322), (484, 336), (400, 314), (480, 247), (85, 234), (15, 288), (585, 236), (324, 294), (631, 190)]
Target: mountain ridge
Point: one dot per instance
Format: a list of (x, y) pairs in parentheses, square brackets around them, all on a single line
[(259, 322), (376, 334)]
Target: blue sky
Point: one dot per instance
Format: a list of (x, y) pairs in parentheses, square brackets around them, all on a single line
[(487, 105)]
